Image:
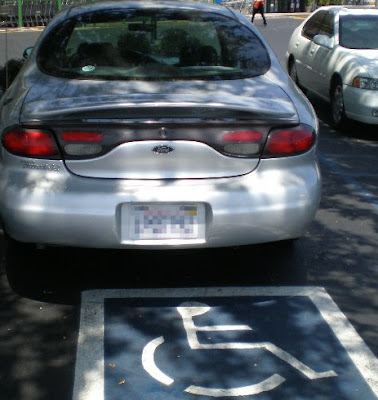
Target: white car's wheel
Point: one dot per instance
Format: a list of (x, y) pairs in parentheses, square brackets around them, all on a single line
[(294, 75), (293, 72), (337, 106)]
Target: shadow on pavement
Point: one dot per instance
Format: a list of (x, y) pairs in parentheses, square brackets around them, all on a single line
[(58, 275)]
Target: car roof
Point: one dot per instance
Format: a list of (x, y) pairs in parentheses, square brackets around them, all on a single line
[(351, 10)]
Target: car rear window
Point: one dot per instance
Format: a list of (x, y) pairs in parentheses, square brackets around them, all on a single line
[(152, 45), (359, 31)]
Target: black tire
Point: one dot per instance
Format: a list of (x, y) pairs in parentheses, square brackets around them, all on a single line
[(42, 273), (294, 75), (293, 72), (287, 243), (20, 263), (338, 116)]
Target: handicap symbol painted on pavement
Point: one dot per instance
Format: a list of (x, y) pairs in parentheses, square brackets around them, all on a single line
[(259, 343), (188, 312)]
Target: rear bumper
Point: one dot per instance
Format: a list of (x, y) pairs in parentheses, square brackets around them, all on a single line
[(50, 206)]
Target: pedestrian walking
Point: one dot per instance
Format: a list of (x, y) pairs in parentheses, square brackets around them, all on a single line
[(258, 7)]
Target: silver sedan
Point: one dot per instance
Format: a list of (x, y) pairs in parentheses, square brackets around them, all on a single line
[(334, 54), (155, 125)]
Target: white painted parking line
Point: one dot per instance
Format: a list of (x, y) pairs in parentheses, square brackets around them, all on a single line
[(122, 325)]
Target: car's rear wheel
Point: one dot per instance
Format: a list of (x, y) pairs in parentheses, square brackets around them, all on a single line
[(294, 75), (43, 272), (293, 72), (20, 262), (339, 118)]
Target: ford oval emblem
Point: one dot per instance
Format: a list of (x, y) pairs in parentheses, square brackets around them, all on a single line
[(162, 149)]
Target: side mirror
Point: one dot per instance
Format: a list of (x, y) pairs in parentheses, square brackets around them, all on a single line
[(27, 52), (323, 40)]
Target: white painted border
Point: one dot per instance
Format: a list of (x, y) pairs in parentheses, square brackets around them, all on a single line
[(89, 370)]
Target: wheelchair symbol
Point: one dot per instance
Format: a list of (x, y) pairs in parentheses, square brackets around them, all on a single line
[(190, 310)]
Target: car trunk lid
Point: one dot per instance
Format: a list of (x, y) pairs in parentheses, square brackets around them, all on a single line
[(161, 130)]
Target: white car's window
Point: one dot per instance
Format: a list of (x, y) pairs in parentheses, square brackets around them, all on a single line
[(359, 31), (312, 26), (164, 44), (327, 26)]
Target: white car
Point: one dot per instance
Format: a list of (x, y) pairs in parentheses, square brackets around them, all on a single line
[(334, 54)]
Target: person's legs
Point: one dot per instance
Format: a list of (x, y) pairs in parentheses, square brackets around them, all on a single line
[(254, 11), (262, 14)]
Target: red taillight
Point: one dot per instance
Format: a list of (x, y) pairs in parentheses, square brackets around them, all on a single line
[(78, 136), (29, 142), (289, 142)]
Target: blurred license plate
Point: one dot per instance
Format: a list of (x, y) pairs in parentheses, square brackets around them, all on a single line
[(165, 221)]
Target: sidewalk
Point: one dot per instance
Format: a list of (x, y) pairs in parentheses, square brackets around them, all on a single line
[(301, 15)]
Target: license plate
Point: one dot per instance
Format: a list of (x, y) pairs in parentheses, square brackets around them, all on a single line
[(165, 221)]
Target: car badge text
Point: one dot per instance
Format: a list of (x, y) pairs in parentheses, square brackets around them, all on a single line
[(40, 166)]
